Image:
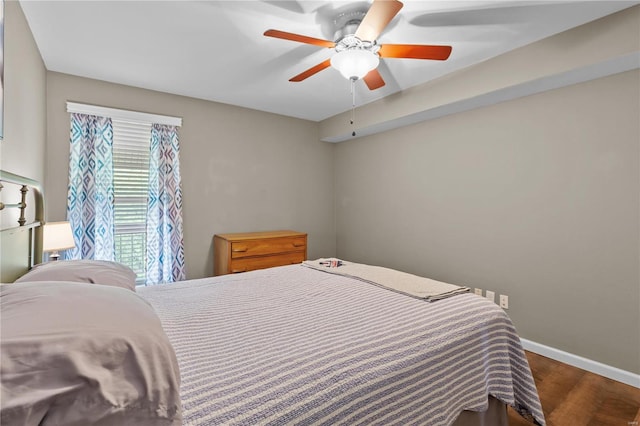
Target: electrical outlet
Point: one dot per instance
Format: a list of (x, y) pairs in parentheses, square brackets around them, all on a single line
[(478, 291), (504, 301), (490, 295)]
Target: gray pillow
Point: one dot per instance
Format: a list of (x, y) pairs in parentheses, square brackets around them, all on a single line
[(84, 354), (83, 271)]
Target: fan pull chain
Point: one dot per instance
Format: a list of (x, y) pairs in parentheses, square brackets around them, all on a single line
[(353, 106)]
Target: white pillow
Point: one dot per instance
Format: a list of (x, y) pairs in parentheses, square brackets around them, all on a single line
[(83, 271)]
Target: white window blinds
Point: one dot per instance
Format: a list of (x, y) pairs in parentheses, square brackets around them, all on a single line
[(131, 186)]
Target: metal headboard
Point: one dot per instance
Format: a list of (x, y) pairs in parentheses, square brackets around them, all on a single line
[(27, 233)]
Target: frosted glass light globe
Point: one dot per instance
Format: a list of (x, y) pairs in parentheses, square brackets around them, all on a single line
[(355, 63)]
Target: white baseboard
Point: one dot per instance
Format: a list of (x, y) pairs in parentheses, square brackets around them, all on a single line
[(586, 364)]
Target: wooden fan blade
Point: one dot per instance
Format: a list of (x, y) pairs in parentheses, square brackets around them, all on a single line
[(374, 80), (415, 51), (299, 38), (377, 18), (311, 71)]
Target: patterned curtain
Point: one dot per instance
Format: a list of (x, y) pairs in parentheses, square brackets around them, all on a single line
[(165, 246), (90, 196)]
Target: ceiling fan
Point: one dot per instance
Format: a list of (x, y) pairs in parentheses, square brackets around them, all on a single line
[(357, 52)]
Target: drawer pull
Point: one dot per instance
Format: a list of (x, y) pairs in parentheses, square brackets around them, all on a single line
[(239, 250), (237, 271), (298, 244)]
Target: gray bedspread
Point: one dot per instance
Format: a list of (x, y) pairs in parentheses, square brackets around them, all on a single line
[(293, 345)]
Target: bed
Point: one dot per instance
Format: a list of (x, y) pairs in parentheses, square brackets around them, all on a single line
[(20, 238), (287, 345)]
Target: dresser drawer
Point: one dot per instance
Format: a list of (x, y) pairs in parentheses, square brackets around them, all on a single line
[(247, 251), (267, 246), (262, 262)]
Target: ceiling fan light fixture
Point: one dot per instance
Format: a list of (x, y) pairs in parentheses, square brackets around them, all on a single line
[(355, 63)]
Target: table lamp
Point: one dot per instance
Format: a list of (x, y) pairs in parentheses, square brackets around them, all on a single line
[(57, 236)]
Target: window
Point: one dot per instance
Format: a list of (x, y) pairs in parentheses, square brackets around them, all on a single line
[(124, 198), (130, 190)]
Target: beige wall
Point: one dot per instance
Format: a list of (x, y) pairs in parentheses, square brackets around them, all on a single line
[(536, 198), (23, 148), (22, 151), (242, 170)]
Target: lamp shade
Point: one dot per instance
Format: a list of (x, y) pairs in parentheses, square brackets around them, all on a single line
[(355, 63), (57, 236)]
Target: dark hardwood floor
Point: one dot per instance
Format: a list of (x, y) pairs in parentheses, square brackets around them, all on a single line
[(574, 397)]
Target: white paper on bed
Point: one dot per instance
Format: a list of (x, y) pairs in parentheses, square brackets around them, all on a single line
[(402, 282)]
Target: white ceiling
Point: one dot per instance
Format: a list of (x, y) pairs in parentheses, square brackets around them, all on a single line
[(215, 50)]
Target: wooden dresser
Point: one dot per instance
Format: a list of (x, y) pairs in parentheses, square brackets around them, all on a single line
[(233, 253)]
